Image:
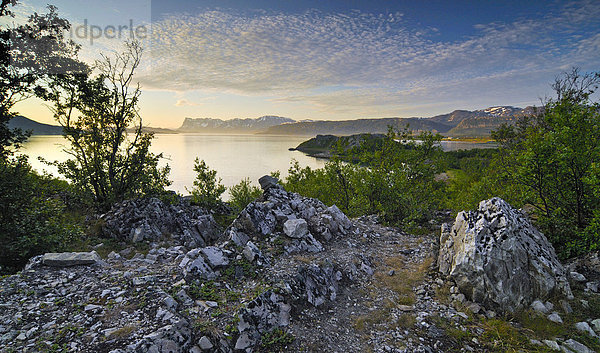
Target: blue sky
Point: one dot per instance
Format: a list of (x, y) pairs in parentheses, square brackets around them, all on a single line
[(343, 59)]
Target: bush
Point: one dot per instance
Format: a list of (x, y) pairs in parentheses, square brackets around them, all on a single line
[(33, 220), (395, 180), (551, 158), (240, 195), (207, 189)]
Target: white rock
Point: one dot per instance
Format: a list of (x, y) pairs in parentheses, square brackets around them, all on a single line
[(596, 324), (585, 327), (205, 343), (295, 228), (576, 276), (577, 347), (499, 259), (538, 306), (552, 345), (70, 259), (215, 256), (251, 251), (554, 317)]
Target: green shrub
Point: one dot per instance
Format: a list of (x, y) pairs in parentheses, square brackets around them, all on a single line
[(207, 189), (33, 219), (240, 195)]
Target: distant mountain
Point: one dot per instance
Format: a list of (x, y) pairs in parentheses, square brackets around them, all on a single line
[(352, 127), (459, 123), (232, 126), (26, 124)]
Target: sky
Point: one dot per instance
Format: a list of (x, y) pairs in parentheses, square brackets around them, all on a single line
[(336, 60)]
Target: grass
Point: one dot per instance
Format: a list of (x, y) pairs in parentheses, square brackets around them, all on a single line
[(404, 279), (514, 332), (123, 332)]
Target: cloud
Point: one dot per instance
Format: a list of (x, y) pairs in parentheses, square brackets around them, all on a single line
[(299, 57), (186, 103)]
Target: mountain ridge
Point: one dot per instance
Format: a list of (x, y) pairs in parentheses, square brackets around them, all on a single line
[(247, 125), (458, 123)]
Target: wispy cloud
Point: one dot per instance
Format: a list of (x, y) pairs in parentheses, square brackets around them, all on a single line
[(186, 103), (297, 57)]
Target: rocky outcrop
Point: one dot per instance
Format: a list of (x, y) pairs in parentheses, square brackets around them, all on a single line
[(150, 219), (266, 312), (499, 259), (302, 224)]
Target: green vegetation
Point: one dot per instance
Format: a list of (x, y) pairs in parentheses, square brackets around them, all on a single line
[(548, 163), (342, 145), (395, 180), (552, 160), (240, 195), (276, 340), (33, 220), (96, 113), (207, 188), (34, 209)]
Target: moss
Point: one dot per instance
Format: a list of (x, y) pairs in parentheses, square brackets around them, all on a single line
[(204, 291), (276, 340), (243, 267)]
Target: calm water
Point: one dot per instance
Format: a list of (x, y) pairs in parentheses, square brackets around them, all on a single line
[(234, 157)]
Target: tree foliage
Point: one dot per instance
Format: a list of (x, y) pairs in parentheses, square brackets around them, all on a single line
[(207, 188), (29, 53), (241, 194), (552, 158), (110, 152), (33, 217), (395, 180)]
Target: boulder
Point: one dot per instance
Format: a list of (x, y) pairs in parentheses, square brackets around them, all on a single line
[(295, 228), (316, 284), (266, 182), (66, 259), (266, 312), (499, 259)]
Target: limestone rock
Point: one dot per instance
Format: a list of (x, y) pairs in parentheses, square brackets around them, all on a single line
[(577, 347), (205, 344), (498, 259), (151, 219), (70, 259), (215, 256), (308, 222), (266, 182), (554, 317), (295, 228), (316, 284), (585, 327)]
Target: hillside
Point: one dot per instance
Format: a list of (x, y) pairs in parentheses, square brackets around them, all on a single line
[(459, 123), (321, 145), (207, 125), (290, 274), (21, 122), (352, 127)]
